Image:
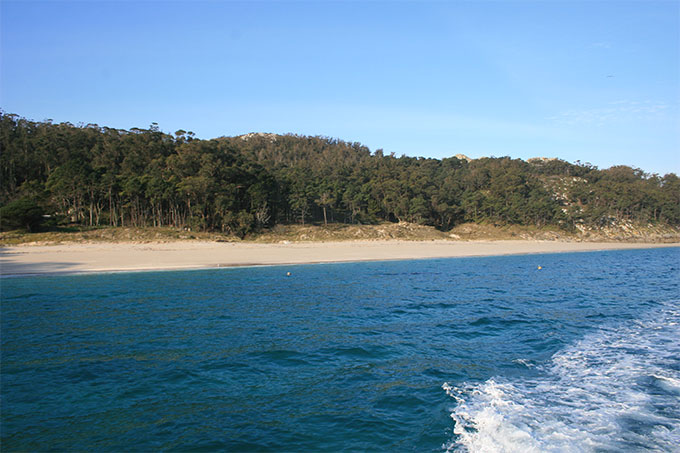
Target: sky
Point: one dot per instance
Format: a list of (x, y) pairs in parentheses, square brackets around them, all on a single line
[(588, 81)]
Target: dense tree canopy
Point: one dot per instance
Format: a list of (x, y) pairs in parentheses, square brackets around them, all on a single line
[(93, 175)]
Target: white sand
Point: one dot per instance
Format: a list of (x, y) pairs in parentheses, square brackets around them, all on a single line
[(114, 257)]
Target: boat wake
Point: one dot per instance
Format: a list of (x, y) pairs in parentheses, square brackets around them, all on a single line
[(616, 389)]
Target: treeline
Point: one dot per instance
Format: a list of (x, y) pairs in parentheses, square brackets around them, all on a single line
[(93, 175)]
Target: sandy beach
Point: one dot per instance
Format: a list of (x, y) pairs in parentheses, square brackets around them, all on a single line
[(122, 257)]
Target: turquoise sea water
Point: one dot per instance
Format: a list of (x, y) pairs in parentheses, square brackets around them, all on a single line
[(474, 354)]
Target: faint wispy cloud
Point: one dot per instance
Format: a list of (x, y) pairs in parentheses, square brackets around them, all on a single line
[(622, 110)]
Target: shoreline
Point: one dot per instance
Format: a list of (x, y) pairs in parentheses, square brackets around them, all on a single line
[(70, 259)]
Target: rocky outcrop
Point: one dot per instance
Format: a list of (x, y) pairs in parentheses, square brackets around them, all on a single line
[(266, 135), (541, 160)]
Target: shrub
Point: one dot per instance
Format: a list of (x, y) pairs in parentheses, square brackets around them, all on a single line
[(23, 213)]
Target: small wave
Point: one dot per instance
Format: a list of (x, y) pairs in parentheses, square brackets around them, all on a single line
[(484, 321), (668, 384), (524, 362), (614, 390)]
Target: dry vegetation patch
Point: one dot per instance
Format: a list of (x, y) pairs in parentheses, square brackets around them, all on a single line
[(112, 234), (344, 232), (616, 232)]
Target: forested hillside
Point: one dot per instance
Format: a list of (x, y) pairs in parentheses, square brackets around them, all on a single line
[(93, 175)]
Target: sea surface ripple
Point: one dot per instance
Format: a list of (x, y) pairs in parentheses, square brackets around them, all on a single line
[(475, 354)]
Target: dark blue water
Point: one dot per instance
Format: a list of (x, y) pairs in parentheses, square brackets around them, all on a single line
[(477, 354)]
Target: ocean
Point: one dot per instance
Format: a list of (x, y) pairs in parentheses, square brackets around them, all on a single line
[(465, 355)]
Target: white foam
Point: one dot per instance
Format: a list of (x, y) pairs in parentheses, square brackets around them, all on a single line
[(668, 383), (616, 389), (525, 362)]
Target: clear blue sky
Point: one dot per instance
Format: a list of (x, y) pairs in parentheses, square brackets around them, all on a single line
[(581, 80)]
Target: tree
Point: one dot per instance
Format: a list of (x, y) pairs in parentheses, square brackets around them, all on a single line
[(95, 175), (23, 213), (325, 200)]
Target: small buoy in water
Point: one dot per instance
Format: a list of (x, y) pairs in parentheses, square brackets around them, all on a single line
[(287, 274), (540, 267)]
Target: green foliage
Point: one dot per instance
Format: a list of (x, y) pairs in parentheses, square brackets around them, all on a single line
[(23, 213), (92, 175)]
